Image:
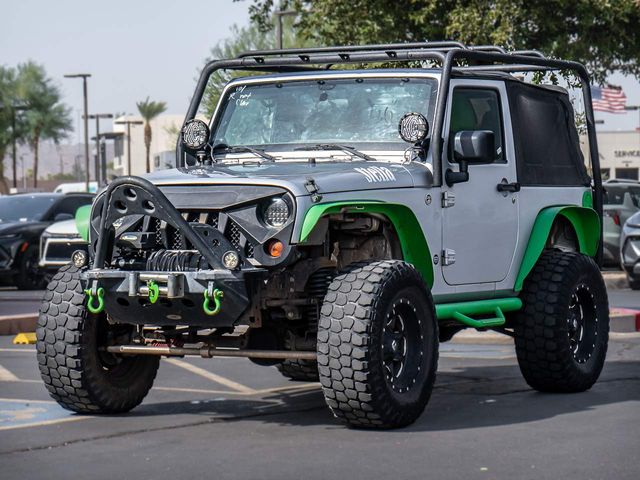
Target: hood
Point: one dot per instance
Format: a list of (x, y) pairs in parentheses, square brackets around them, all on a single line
[(11, 228), (329, 177), (66, 227)]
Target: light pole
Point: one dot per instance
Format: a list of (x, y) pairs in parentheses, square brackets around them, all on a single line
[(128, 123), (100, 164), (84, 77), (279, 14)]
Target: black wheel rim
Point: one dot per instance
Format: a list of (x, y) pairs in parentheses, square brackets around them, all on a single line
[(582, 323), (402, 345), (113, 365), (32, 270)]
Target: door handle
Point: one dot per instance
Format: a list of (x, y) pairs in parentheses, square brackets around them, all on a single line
[(508, 187)]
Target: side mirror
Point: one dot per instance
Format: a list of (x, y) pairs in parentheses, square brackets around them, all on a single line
[(475, 147), (60, 217)]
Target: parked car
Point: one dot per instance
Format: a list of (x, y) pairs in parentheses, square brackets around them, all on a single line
[(57, 243), (23, 218), (621, 201), (630, 250)]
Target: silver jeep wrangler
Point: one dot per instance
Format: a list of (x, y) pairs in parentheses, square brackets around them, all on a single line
[(339, 224)]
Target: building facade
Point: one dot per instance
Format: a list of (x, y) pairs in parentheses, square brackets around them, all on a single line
[(619, 154), (164, 133)]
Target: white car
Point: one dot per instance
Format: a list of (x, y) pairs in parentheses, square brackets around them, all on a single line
[(630, 250), (57, 243)]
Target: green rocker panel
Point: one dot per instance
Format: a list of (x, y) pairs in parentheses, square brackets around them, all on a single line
[(586, 224), (415, 249), (82, 221)]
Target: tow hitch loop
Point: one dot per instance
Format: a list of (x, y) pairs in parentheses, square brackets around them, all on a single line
[(154, 291), (217, 298), (90, 297)]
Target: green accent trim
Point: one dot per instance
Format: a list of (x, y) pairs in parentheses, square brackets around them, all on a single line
[(415, 249), (82, 221), (586, 224), (587, 199), (90, 306), (461, 311), (217, 299), (154, 291)]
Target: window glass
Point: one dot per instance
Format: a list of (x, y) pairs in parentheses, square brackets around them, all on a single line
[(477, 109), (362, 112), (627, 173), (71, 204)]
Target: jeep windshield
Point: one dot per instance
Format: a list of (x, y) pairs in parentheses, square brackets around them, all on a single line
[(362, 113)]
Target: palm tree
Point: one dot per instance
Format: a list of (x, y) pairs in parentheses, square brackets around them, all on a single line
[(149, 110), (46, 117)]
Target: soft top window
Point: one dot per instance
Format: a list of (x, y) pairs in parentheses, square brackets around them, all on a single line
[(545, 137)]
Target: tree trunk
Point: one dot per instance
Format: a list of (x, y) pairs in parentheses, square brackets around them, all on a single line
[(35, 145), (147, 143), (4, 188)]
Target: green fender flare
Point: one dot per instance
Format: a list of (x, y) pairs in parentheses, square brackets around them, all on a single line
[(82, 221), (586, 224), (415, 249)]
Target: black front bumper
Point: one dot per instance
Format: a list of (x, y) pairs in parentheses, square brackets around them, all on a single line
[(181, 296)]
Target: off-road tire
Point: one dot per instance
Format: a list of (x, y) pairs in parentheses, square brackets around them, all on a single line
[(299, 370), (72, 368), (352, 364), (556, 353), (29, 276)]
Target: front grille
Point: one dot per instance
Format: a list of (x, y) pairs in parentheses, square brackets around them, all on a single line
[(172, 239), (60, 251)]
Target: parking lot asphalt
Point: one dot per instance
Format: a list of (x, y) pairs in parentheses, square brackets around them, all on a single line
[(229, 418)]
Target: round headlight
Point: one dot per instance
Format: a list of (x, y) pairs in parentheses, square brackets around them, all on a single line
[(276, 212), (195, 134)]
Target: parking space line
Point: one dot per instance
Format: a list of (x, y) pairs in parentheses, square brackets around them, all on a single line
[(6, 375), (19, 350), (43, 423), (211, 376)]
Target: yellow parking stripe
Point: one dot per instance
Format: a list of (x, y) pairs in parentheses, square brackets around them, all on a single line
[(211, 376)]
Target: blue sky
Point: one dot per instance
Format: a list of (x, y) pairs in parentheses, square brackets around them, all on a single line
[(136, 49)]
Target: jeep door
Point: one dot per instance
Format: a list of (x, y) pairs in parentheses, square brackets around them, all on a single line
[(480, 227)]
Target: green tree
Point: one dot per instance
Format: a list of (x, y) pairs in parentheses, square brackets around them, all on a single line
[(46, 117), (149, 110), (253, 37), (604, 35), (7, 100)]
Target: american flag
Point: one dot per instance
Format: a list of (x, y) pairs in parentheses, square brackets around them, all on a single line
[(608, 99)]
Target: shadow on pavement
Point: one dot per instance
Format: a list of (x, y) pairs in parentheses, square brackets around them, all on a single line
[(472, 397)]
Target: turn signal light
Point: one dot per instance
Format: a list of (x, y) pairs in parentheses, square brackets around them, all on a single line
[(275, 248)]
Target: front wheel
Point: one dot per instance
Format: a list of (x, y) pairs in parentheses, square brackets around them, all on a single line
[(76, 370), (561, 333), (378, 345)]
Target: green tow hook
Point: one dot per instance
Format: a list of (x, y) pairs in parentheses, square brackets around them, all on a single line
[(154, 291), (90, 306), (217, 298)]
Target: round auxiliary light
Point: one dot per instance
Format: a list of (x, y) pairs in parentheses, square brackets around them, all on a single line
[(231, 260), (79, 258), (195, 134), (413, 127), (276, 213)]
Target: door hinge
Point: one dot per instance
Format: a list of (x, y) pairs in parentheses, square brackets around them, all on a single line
[(448, 257), (448, 199)]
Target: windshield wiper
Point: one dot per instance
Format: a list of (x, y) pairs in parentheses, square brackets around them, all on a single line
[(335, 146), (223, 148)]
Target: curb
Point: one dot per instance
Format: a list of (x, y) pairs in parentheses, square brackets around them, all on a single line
[(14, 324), (615, 280)]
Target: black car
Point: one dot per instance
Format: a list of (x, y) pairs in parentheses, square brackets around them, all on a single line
[(23, 218)]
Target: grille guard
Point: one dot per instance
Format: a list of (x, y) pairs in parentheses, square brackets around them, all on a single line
[(136, 196)]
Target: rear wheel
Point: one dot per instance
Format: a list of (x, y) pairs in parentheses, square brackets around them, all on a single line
[(299, 370), (561, 333), (76, 370), (378, 345)]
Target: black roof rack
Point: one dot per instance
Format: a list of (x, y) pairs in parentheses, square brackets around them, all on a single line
[(451, 56)]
